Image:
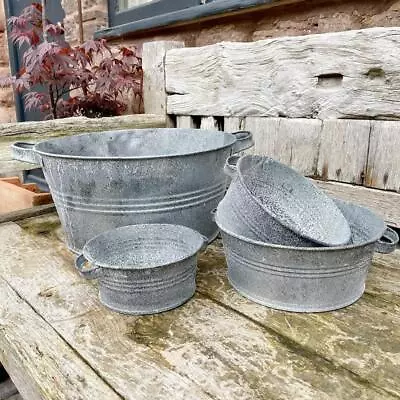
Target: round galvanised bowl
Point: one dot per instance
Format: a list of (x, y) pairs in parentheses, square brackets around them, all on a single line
[(271, 202), (143, 269), (306, 279)]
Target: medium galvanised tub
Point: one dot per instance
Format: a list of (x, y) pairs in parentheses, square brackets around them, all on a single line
[(101, 181), (306, 279), (143, 269)]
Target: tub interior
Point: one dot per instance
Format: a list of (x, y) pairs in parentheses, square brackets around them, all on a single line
[(143, 246), (365, 225), (137, 143), (294, 201)]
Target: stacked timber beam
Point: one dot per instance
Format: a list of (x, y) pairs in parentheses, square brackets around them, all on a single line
[(328, 105), (37, 131)]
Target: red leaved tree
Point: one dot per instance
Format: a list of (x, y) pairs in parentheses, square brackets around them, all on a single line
[(98, 77)]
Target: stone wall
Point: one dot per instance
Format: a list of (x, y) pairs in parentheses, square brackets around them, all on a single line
[(95, 17), (307, 17), (7, 108)]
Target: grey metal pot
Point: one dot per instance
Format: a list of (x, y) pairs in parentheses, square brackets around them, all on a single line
[(305, 279), (272, 203), (101, 181), (143, 269)]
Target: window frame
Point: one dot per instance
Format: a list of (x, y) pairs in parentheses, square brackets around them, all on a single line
[(164, 13), (147, 10)]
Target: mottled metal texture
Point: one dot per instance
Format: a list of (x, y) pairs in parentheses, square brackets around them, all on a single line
[(305, 279), (143, 269), (101, 181), (273, 203)]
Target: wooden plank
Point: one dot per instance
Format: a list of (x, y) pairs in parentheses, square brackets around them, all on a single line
[(40, 363), (344, 150), (384, 156), (333, 75), (234, 124), (385, 204), (293, 142), (106, 340), (185, 122), (201, 350), (154, 94), (27, 213), (363, 338), (209, 123), (40, 130)]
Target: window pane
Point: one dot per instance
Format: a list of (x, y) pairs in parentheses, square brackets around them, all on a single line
[(126, 4)]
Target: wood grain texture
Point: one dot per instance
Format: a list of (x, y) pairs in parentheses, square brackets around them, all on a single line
[(294, 142), (384, 156), (333, 75), (43, 130), (185, 122), (27, 213), (209, 123), (362, 339), (207, 349), (154, 94), (40, 363), (233, 124), (70, 126), (344, 150), (385, 204)]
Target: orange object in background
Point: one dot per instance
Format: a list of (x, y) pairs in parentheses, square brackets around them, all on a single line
[(15, 195)]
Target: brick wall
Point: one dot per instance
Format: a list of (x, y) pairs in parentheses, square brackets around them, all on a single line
[(7, 108)]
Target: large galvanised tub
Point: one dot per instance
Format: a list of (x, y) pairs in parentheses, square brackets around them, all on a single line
[(101, 181)]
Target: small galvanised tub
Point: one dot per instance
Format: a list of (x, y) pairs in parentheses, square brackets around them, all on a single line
[(143, 269), (306, 279)]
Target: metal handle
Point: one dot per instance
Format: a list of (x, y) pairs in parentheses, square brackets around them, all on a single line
[(205, 244), (88, 273), (244, 140), (25, 152), (230, 167), (388, 242)]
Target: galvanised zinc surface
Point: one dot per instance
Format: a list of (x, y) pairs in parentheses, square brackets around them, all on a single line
[(101, 181)]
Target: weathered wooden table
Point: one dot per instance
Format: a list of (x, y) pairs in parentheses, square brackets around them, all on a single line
[(58, 342)]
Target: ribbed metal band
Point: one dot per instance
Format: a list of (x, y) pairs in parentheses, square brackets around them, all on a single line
[(314, 272), (135, 205), (118, 283)]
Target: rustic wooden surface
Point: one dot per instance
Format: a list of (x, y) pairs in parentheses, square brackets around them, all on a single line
[(343, 150), (154, 94), (217, 346), (385, 204), (384, 156), (333, 152), (38, 131), (294, 142), (350, 74), (185, 122)]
